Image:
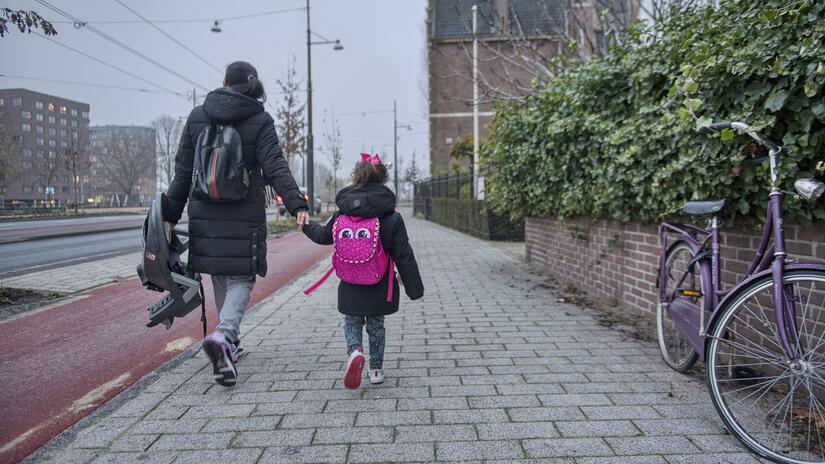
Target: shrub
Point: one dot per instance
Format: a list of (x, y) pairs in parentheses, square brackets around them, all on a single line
[(616, 137)]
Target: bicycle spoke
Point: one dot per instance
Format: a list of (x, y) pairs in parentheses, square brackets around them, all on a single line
[(746, 348)]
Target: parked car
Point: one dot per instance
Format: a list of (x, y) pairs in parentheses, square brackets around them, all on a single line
[(282, 208)]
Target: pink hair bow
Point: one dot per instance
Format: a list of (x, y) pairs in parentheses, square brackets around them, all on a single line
[(372, 159)]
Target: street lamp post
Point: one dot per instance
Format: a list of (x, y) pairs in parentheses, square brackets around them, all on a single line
[(310, 160), (395, 127)]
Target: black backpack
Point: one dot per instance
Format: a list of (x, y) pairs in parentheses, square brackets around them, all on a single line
[(219, 173)]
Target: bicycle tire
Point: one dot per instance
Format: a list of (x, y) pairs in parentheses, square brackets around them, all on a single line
[(723, 334), (689, 357)]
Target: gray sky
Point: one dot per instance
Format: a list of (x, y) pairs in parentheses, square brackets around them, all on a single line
[(381, 61)]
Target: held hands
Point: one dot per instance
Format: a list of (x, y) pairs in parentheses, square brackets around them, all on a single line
[(302, 219)]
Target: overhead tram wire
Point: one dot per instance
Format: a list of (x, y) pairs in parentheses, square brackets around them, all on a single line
[(169, 91), (191, 20), (119, 43), (169, 36), (90, 84)]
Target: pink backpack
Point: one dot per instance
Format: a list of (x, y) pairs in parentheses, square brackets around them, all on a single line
[(359, 257)]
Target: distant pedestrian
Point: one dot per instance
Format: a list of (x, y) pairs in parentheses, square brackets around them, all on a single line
[(366, 218), (228, 237)]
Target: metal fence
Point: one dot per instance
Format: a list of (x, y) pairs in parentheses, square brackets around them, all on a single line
[(458, 185)]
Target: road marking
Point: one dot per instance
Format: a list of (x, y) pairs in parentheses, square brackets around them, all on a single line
[(179, 344), (20, 439), (88, 400)]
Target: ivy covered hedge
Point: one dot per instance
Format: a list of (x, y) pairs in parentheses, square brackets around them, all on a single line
[(616, 137)]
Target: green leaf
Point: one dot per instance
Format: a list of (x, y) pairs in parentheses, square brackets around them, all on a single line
[(776, 100), (727, 134), (704, 121)]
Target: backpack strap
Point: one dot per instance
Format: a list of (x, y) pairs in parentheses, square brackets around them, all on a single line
[(391, 281), (320, 281)]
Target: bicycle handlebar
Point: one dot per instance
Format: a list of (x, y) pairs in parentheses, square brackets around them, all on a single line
[(741, 126)]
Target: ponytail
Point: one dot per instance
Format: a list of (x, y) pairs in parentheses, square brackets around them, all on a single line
[(242, 77)]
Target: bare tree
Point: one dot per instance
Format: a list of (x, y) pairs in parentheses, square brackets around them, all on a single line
[(167, 136), (517, 47), (332, 146), (124, 162), (51, 171), (9, 150), (289, 116)]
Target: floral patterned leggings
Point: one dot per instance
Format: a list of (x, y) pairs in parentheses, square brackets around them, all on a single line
[(353, 331)]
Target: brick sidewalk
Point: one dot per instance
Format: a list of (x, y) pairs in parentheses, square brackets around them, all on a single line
[(78, 277), (485, 368)]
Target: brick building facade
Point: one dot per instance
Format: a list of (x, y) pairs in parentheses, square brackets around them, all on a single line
[(46, 133), (618, 261), (511, 32)]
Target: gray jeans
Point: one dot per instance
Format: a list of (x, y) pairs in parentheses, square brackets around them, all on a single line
[(231, 298)]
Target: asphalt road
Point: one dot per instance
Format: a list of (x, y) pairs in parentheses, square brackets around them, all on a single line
[(61, 363), (48, 253)]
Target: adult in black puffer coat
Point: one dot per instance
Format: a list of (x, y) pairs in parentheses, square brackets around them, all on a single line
[(228, 240), (368, 197)]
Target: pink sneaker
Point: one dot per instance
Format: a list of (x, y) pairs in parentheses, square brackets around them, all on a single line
[(355, 368)]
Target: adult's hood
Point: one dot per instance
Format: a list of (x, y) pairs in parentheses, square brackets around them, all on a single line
[(226, 106), (370, 200)]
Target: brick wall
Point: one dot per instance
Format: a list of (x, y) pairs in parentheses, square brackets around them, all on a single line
[(619, 261)]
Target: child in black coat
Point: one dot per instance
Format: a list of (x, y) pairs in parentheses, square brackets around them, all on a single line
[(368, 197)]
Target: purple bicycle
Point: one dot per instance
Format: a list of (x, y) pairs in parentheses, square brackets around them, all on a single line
[(764, 355)]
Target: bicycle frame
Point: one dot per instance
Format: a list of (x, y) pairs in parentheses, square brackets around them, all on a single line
[(770, 254)]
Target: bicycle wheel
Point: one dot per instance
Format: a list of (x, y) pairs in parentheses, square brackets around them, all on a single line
[(776, 409), (677, 352)]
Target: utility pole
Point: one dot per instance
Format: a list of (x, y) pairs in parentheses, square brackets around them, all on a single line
[(310, 161), (475, 102), (194, 97), (395, 146)]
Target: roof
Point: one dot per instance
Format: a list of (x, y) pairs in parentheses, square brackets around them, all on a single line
[(453, 18)]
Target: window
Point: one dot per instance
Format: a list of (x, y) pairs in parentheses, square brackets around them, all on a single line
[(74, 122), (64, 133), (75, 135), (2, 102), (52, 131), (26, 114), (63, 121), (27, 164), (18, 139), (84, 114), (74, 112), (52, 154), (27, 152), (66, 179), (52, 142), (52, 120), (38, 105), (40, 129), (28, 189), (16, 101), (62, 109), (26, 127), (39, 117), (41, 154), (64, 144), (51, 106), (65, 189)]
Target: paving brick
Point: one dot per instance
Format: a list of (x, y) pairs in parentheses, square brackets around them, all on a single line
[(651, 445), (516, 431), (475, 451), (291, 421), (433, 433), (321, 454), (192, 441), (400, 452), (235, 456), (347, 435), (608, 428), (566, 447), (262, 439), (469, 416), (546, 414), (393, 418)]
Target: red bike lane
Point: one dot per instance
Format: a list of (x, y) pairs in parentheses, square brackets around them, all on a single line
[(61, 363)]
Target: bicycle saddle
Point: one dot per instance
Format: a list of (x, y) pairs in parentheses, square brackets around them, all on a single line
[(702, 207)]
